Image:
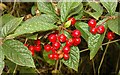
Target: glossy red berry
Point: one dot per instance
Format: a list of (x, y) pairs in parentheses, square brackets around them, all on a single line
[(51, 56), (26, 45), (100, 29), (56, 56), (66, 49), (37, 42), (92, 23), (66, 56), (31, 48), (77, 41), (37, 48), (93, 30), (52, 37), (72, 19), (47, 47), (69, 42), (110, 35), (62, 38), (76, 33), (56, 45)]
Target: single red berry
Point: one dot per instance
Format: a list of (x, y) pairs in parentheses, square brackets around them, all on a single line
[(66, 49), (52, 37), (37, 42), (51, 56), (93, 30), (56, 45), (101, 29), (69, 42), (77, 41), (72, 19), (76, 33), (47, 47), (66, 56), (26, 45), (37, 48), (110, 35), (62, 38), (56, 56), (92, 23), (31, 48)]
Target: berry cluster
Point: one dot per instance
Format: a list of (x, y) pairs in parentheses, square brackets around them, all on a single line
[(95, 29), (55, 43), (35, 47)]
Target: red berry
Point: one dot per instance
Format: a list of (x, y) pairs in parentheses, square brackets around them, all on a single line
[(69, 42), (72, 19), (66, 49), (66, 56), (101, 29), (37, 48), (93, 30), (31, 48), (110, 35), (92, 23), (62, 38), (26, 45), (56, 45), (51, 56), (47, 47), (52, 37), (56, 56), (76, 33), (76, 41), (37, 42)]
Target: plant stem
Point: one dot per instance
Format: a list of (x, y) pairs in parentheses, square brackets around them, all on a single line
[(103, 57), (56, 66), (60, 66), (13, 7), (94, 67), (15, 69), (102, 45), (37, 71)]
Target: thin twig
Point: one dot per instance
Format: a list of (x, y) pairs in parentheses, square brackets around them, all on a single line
[(56, 65), (15, 69), (60, 66), (103, 57), (13, 7), (102, 45), (94, 67), (37, 71)]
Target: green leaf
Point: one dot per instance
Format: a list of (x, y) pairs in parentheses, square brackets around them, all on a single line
[(35, 24), (5, 18), (95, 41), (45, 55), (46, 7), (33, 37), (1, 60), (98, 10), (16, 52), (27, 70), (66, 8), (114, 25), (84, 29), (67, 24), (10, 26), (33, 9), (79, 15), (110, 6), (73, 61)]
